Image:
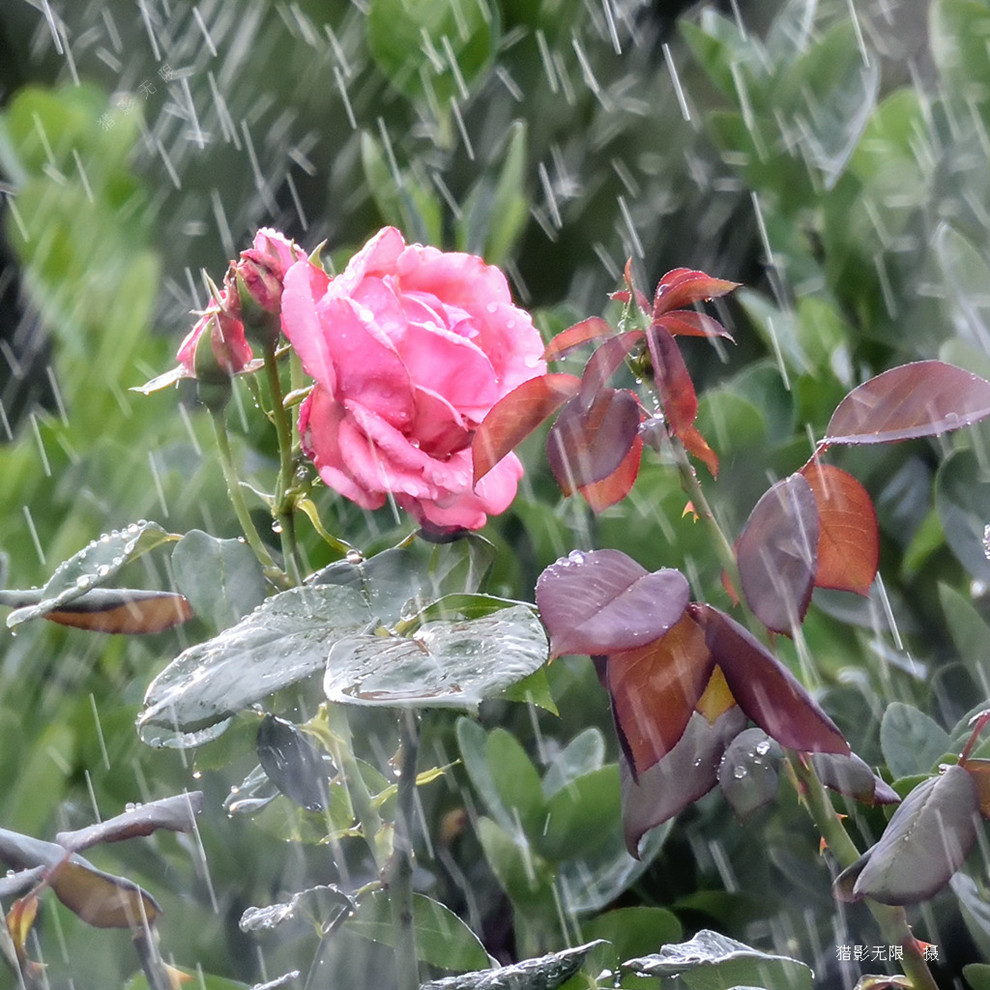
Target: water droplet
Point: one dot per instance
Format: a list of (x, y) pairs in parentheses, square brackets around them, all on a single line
[(763, 747), (739, 773), (276, 527), (103, 570), (354, 556), (83, 581)]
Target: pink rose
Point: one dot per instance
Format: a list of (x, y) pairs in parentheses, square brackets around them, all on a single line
[(410, 347), (256, 277)]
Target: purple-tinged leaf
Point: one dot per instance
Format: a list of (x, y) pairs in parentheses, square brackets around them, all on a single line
[(750, 772), (516, 415), (177, 814), (602, 602), (593, 328), (764, 688), (688, 772), (655, 688), (602, 494), (851, 776), (678, 399), (926, 840), (921, 399), (589, 441), (606, 360), (778, 554)]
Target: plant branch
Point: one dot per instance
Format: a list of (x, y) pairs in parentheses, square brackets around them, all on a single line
[(284, 502), (398, 876), (272, 571), (892, 921)]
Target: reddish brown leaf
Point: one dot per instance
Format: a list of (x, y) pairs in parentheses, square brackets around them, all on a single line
[(677, 396), (600, 495), (654, 690), (848, 538), (588, 442), (593, 328), (606, 359), (101, 899), (603, 602), (778, 554), (20, 918), (683, 286), (914, 400), (688, 323), (979, 770), (516, 415), (120, 610), (696, 445), (764, 688)]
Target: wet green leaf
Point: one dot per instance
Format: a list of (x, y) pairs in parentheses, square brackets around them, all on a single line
[(544, 973), (282, 642), (962, 494), (221, 578), (750, 771), (94, 565), (710, 961), (446, 664), (442, 939)]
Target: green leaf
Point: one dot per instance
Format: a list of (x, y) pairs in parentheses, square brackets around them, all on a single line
[(446, 664), (442, 939), (970, 633), (911, 741), (583, 754), (634, 931), (280, 643), (711, 961), (533, 690), (962, 494), (319, 907), (92, 567), (431, 46), (221, 578), (582, 815), (518, 791), (525, 876), (977, 975), (544, 973)]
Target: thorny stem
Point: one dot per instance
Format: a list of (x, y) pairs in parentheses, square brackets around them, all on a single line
[(284, 500), (891, 920), (398, 874), (271, 570)]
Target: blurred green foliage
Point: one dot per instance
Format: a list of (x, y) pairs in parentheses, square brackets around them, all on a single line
[(790, 149)]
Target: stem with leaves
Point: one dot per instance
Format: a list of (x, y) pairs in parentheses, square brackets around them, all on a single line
[(892, 920)]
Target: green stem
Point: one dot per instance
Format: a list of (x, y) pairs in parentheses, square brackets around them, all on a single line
[(892, 921), (284, 501), (342, 749), (398, 876), (271, 570)]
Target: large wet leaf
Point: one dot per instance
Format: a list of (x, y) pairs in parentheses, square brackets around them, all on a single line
[(926, 840), (544, 973), (922, 399), (94, 565), (293, 764), (777, 554), (124, 611), (453, 664), (175, 814), (320, 907), (710, 961), (282, 642), (221, 578), (442, 939), (604, 601)]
